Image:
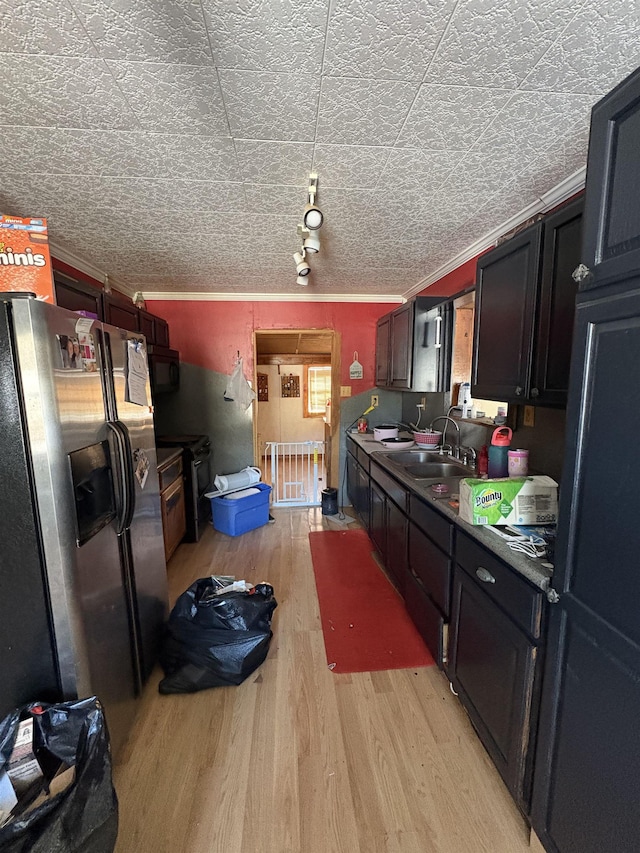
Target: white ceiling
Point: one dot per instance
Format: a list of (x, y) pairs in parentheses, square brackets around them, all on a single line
[(169, 142)]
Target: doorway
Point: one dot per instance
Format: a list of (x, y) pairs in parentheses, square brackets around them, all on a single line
[(297, 411)]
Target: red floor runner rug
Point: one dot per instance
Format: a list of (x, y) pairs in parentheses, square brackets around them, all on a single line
[(364, 621)]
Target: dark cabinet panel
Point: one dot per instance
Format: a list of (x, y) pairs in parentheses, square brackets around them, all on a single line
[(378, 519), (146, 325), (396, 560), (362, 495), (492, 668), (612, 216), (591, 697), (161, 332), (506, 287), (561, 251), (383, 354), (76, 296), (402, 346), (431, 566), (121, 314), (425, 616)]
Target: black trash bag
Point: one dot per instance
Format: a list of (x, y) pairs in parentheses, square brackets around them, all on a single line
[(83, 818), (215, 640)]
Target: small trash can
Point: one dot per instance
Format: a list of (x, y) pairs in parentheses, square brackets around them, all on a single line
[(329, 501)]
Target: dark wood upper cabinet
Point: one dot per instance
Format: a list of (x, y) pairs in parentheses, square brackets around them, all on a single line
[(612, 217), (161, 332), (525, 309), (413, 346), (119, 313), (146, 325), (77, 296), (382, 350), (561, 248)]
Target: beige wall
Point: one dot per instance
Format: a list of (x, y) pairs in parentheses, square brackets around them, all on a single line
[(281, 419)]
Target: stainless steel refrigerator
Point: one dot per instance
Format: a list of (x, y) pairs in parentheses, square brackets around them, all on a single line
[(83, 587)]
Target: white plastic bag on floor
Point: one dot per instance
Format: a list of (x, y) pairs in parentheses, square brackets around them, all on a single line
[(238, 389)]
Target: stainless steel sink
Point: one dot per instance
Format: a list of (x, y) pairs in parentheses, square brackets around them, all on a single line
[(427, 465), (430, 470), (411, 457)]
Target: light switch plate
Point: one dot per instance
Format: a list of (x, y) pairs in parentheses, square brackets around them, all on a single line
[(345, 390), (529, 416)]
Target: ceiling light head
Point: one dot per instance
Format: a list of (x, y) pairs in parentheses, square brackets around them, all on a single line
[(312, 242), (302, 267), (312, 217), (303, 280)]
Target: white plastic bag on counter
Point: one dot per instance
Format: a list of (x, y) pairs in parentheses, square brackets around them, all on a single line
[(238, 389)]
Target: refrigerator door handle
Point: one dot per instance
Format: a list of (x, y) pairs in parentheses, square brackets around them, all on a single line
[(121, 456), (130, 487)]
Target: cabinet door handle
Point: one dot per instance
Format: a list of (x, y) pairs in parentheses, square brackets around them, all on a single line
[(535, 392), (438, 342), (518, 390), (484, 575)]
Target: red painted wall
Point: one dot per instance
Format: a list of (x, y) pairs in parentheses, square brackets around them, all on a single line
[(209, 334)]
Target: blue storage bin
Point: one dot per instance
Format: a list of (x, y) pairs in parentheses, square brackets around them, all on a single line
[(235, 517)]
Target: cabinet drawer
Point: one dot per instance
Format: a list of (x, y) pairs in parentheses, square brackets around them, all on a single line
[(519, 599), (432, 523), (432, 566), (425, 616), (168, 474), (363, 458), (394, 490)]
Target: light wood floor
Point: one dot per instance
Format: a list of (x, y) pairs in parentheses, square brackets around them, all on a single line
[(298, 759)]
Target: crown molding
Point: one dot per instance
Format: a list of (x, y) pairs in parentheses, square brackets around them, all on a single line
[(561, 192), (152, 296), (86, 267)]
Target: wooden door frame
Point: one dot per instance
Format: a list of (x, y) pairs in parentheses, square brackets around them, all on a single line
[(336, 367)]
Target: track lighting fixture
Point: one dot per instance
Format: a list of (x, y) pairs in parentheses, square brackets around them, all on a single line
[(312, 219), (312, 242), (302, 267)]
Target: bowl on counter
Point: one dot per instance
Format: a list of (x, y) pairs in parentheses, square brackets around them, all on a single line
[(429, 438)]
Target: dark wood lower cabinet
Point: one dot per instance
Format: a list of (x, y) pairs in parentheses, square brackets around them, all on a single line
[(493, 669), (396, 562), (378, 519)]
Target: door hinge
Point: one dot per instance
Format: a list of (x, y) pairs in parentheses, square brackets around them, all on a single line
[(552, 596)]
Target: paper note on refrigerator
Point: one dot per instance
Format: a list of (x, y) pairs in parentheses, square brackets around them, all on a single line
[(137, 373)]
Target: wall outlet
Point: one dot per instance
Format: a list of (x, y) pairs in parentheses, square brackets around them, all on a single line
[(529, 416), (345, 390), (374, 399)]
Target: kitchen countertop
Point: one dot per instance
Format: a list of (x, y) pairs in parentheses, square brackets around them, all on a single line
[(167, 455), (531, 569)]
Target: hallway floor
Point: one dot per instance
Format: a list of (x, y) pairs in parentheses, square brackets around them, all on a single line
[(298, 759)]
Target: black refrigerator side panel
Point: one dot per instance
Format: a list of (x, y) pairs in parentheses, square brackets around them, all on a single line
[(28, 669)]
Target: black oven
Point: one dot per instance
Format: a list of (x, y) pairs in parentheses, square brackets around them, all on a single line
[(196, 462), (164, 369)]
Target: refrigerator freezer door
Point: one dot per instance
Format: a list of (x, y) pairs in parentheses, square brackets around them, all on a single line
[(64, 410), (145, 543)]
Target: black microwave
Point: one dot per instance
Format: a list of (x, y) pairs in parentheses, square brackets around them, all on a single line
[(164, 369)]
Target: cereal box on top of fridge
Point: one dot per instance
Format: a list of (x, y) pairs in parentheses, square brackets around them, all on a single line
[(25, 260)]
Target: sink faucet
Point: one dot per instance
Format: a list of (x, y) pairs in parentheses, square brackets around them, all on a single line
[(446, 418), (468, 453)]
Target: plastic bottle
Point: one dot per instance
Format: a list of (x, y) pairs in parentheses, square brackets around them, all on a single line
[(483, 461), (498, 452)]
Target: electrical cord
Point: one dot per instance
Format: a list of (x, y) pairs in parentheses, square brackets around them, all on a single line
[(529, 547)]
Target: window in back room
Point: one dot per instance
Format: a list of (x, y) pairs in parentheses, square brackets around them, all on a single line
[(317, 390)]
